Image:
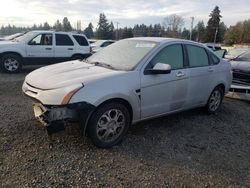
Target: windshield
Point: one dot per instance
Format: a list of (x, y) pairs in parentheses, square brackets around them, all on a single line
[(123, 55), (25, 37), (244, 57), (235, 52), (11, 37)]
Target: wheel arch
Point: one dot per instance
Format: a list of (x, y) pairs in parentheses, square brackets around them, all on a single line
[(122, 101), (11, 52), (222, 86), (119, 100), (79, 54)]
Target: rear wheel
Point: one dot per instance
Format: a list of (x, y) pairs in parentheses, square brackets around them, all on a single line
[(11, 63), (77, 57), (215, 100), (108, 124)]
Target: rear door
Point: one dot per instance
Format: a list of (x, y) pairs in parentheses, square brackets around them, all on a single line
[(164, 93), (202, 75), (64, 47)]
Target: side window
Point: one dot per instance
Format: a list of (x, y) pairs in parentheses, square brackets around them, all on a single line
[(197, 56), (81, 40), (42, 39), (244, 57), (47, 39), (215, 59), (106, 44), (171, 55), (63, 40), (37, 40)]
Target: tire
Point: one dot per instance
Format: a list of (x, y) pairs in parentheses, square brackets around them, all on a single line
[(77, 57), (215, 100), (108, 124), (11, 63)]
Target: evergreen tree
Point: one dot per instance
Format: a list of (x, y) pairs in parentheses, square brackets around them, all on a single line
[(111, 31), (66, 26), (89, 31), (46, 26), (103, 28), (185, 34), (58, 26), (212, 30), (200, 27), (127, 33)]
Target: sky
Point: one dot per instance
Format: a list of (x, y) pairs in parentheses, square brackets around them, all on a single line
[(125, 12)]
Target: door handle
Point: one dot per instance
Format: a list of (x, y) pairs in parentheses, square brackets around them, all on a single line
[(48, 48), (180, 74), (210, 69), (70, 48)]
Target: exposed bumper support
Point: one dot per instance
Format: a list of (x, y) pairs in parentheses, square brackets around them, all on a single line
[(239, 92), (49, 114)]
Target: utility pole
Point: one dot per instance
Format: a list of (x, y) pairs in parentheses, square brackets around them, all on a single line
[(215, 34), (117, 23), (192, 24)]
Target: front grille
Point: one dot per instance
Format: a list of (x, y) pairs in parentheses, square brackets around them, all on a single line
[(241, 77)]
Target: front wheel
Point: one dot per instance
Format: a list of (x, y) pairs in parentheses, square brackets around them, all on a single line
[(215, 100), (11, 63), (108, 124)]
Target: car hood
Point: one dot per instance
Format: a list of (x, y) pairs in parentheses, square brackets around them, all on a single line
[(241, 65), (66, 74), (8, 42)]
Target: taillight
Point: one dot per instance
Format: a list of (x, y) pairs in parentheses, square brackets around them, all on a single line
[(90, 50)]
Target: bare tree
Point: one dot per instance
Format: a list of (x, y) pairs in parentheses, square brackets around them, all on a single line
[(173, 22)]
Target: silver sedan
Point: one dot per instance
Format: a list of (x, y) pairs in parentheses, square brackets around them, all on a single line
[(127, 82)]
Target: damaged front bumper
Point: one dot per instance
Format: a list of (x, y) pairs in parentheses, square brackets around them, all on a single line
[(71, 112)]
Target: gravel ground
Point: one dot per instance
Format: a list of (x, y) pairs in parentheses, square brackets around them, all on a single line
[(189, 149)]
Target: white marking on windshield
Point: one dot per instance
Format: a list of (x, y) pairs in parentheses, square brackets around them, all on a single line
[(145, 45)]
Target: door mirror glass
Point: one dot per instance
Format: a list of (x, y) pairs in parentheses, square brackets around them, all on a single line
[(159, 68)]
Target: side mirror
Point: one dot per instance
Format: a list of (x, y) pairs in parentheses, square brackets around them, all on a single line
[(159, 68), (32, 43)]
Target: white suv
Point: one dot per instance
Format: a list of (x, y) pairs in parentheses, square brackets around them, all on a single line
[(42, 47)]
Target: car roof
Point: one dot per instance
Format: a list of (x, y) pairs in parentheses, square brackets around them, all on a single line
[(163, 40), (52, 31)]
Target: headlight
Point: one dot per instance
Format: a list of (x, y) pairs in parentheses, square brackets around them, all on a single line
[(69, 95)]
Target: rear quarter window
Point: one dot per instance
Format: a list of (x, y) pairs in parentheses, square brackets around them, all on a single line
[(81, 40)]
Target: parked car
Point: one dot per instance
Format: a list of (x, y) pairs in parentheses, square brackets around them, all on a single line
[(240, 87), (127, 82), (234, 53), (100, 44), (92, 41), (241, 68), (213, 46), (42, 47)]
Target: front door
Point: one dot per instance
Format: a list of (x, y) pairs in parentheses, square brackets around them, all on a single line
[(164, 93), (40, 48)]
